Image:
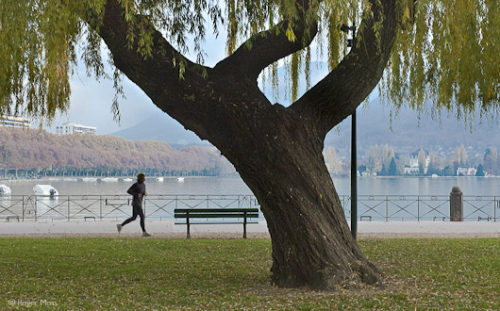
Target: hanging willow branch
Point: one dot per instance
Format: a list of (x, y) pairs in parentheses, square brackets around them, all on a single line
[(446, 51)]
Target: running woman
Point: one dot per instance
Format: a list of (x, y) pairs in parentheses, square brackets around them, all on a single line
[(138, 191)]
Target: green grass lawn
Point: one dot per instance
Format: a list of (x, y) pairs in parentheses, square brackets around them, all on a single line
[(172, 274)]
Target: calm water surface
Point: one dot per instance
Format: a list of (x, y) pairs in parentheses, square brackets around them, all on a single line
[(482, 186)]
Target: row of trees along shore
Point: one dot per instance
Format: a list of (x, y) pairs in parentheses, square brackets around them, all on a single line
[(382, 160), (30, 152), (444, 50)]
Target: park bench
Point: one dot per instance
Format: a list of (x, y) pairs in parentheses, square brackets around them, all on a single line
[(215, 216), (479, 218), (9, 218)]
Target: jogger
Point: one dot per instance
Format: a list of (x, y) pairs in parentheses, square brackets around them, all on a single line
[(138, 191)]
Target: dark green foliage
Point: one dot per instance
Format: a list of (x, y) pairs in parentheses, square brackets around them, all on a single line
[(393, 170), (480, 170), (449, 171)]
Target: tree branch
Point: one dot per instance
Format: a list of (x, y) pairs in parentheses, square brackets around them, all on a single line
[(266, 47), (158, 74), (342, 90)]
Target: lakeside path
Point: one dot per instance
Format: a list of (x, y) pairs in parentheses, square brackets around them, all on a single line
[(167, 229)]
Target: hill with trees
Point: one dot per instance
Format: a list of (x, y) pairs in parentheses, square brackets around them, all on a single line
[(37, 152)]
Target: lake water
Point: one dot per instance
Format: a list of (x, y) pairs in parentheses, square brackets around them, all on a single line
[(477, 186), (380, 198)]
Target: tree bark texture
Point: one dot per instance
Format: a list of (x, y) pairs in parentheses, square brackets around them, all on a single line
[(312, 244), (276, 150)]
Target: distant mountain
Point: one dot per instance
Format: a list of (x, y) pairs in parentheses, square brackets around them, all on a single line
[(161, 127), (406, 132)]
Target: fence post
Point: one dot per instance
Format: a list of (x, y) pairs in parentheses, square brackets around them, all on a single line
[(100, 207), (69, 213), (496, 204), (22, 198), (456, 204), (418, 208), (386, 209)]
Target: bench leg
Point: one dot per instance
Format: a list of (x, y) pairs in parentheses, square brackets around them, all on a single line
[(188, 229), (245, 226)]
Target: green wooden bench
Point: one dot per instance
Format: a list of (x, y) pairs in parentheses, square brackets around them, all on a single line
[(214, 216)]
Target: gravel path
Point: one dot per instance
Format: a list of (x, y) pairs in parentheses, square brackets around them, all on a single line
[(167, 229)]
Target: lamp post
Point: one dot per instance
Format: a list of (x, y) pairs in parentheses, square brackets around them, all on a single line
[(354, 172)]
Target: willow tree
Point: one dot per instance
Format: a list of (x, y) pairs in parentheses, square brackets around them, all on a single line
[(444, 50)]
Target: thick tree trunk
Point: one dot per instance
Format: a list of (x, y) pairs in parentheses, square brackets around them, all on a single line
[(285, 169)]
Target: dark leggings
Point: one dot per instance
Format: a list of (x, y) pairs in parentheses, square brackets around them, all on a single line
[(136, 211)]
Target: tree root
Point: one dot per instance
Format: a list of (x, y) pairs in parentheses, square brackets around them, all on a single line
[(361, 273)]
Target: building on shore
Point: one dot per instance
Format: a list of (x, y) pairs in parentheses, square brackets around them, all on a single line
[(12, 121), (466, 171), (72, 128)]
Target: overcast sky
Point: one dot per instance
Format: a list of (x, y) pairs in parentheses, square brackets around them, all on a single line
[(91, 100)]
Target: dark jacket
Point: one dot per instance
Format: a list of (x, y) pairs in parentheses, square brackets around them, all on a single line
[(135, 190)]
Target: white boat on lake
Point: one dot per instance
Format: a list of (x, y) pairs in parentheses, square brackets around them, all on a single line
[(109, 179), (45, 190), (160, 179), (88, 179), (4, 190), (126, 179), (180, 179)]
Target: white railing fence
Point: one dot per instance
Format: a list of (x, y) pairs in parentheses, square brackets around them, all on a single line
[(160, 207)]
